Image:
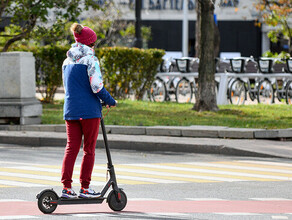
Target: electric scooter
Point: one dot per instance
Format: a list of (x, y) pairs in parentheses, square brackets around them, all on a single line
[(48, 199)]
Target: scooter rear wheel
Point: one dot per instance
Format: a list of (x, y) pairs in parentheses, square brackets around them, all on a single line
[(44, 202), (113, 201)]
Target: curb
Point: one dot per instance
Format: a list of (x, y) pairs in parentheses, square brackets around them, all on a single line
[(173, 131), (138, 143)]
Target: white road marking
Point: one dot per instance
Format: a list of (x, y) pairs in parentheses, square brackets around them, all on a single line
[(279, 217), (240, 167), (12, 200), (267, 163), (143, 199), (270, 199), (21, 184), (235, 213), (165, 173), (215, 172), (18, 217), (94, 174), (47, 173), (205, 199)]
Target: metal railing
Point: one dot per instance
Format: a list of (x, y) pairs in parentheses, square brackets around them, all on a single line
[(238, 79)]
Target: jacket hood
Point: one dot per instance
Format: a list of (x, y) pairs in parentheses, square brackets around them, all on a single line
[(78, 50)]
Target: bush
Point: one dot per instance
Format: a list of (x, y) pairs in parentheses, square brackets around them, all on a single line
[(128, 69), (49, 60), (123, 69)]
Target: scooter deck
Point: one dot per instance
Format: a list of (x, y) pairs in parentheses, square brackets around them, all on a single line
[(62, 201)]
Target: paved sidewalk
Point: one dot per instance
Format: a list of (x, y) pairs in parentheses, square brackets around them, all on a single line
[(195, 139)]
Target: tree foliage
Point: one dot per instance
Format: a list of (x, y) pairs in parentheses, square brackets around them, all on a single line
[(111, 30), (276, 13), (27, 15)]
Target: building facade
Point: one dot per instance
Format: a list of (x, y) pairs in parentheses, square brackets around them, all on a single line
[(236, 20)]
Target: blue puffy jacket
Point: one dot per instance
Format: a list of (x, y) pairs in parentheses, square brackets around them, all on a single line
[(83, 84)]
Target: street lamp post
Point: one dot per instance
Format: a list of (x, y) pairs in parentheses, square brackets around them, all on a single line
[(138, 39), (185, 28)]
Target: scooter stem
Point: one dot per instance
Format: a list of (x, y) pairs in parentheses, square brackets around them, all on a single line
[(108, 154)]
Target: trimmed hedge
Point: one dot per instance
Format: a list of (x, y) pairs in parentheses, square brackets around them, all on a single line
[(129, 70), (49, 61), (124, 69)]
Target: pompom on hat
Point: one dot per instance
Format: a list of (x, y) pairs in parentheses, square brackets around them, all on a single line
[(83, 34)]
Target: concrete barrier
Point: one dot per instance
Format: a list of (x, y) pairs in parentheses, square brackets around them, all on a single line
[(17, 89)]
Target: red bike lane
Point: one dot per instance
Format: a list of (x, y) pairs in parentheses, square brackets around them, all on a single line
[(15, 208)]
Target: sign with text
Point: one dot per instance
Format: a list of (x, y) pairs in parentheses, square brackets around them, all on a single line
[(160, 4)]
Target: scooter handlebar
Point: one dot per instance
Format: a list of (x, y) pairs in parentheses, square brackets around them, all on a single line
[(104, 105)]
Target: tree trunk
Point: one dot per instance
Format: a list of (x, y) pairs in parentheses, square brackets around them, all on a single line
[(216, 40), (198, 32), (206, 82)]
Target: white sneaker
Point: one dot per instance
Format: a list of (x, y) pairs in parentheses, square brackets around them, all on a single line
[(88, 193), (68, 193)]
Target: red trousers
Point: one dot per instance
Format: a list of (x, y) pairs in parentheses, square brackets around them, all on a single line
[(75, 130)]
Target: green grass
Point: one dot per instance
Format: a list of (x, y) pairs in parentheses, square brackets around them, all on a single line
[(144, 113)]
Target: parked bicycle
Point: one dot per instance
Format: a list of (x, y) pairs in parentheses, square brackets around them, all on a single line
[(266, 93), (288, 81), (186, 86), (240, 87), (158, 90), (163, 87), (272, 87)]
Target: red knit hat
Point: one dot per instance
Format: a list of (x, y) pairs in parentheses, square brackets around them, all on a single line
[(86, 36)]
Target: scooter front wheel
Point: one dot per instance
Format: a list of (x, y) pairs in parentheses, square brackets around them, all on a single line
[(117, 201), (44, 202)]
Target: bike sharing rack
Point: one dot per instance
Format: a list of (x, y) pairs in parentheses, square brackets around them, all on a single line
[(223, 79)]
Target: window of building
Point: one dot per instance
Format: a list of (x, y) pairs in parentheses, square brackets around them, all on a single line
[(229, 3)]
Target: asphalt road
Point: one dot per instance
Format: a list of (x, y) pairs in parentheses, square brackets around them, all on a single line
[(159, 185)]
